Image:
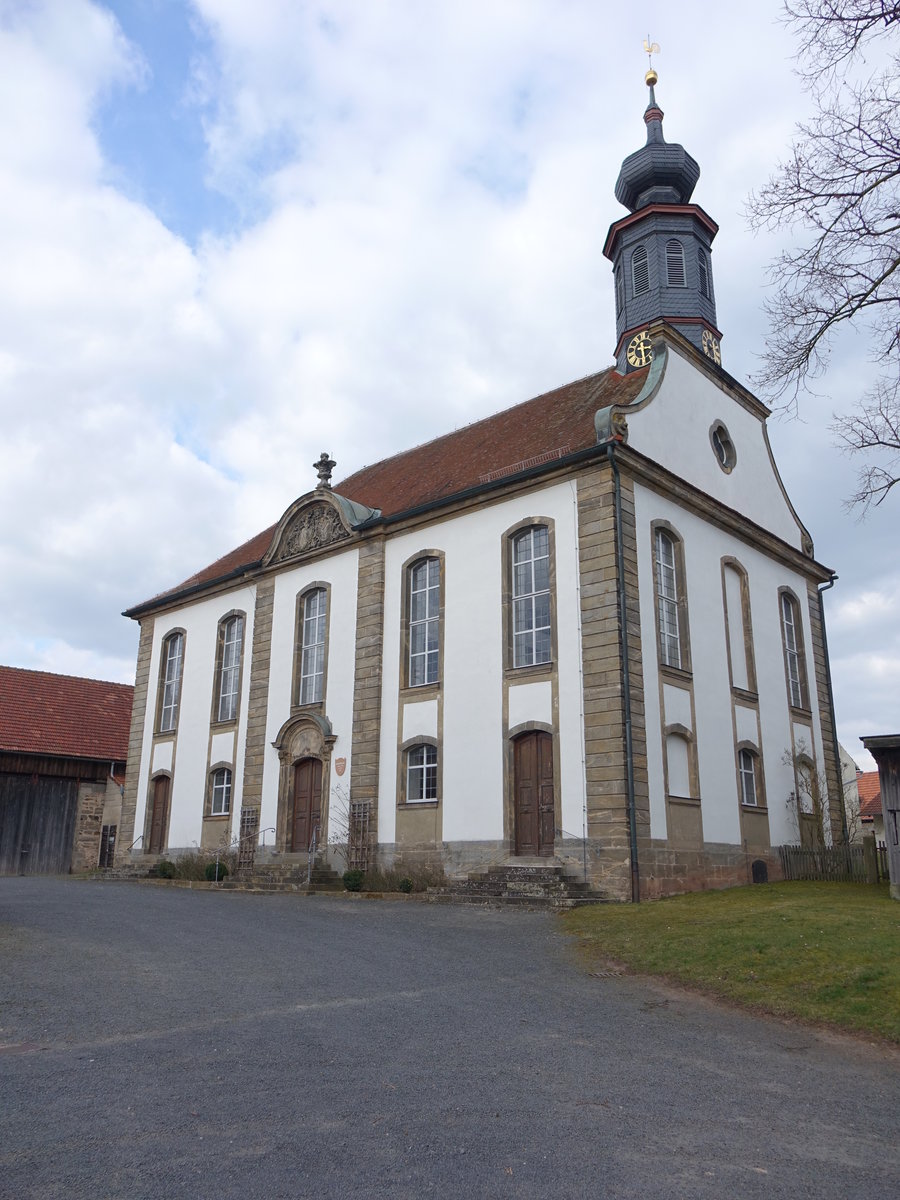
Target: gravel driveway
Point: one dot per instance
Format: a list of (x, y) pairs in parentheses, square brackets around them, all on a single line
[(159, 1042)]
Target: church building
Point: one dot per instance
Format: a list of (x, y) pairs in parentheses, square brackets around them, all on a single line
[(587, 629)]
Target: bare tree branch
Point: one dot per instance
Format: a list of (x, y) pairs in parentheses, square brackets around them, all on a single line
[(841, 186), (874, 428), (832, 32)]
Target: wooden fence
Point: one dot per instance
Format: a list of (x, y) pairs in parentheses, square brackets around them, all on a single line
[(839, 864)]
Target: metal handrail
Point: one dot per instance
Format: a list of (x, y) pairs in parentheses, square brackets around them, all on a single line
[(311, 856), (237, 840), (139, 838), (576, 837)]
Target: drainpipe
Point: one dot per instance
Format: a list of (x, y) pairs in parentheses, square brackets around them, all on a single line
[(834, 737), (626, 674)]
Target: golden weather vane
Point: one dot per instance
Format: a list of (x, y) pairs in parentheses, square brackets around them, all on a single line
[(651, 48)]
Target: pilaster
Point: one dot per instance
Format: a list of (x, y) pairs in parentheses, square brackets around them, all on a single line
[(832, 767), (258, 699), (367, 678), (606, 766), (135, 742)]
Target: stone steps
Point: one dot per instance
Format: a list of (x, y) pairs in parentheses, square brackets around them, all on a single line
[(527, 885), (286, 877)]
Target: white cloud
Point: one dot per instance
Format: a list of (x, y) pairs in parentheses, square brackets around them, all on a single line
[(424, 203)]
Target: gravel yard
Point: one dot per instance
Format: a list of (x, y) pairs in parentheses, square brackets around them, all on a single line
[(159, 1042)]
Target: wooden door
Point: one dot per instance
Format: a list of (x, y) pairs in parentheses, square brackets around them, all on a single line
[(159, 815), (37, 824), (307, 803), (533, 792)]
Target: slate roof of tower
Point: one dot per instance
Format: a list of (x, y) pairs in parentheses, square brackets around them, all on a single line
[(64, 715), (659, 171), (561, 420)]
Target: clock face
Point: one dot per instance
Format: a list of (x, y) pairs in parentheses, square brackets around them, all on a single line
[(710, 346), (639, 353)]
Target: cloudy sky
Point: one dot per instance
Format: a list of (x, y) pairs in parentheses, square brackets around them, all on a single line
[(235, 234)]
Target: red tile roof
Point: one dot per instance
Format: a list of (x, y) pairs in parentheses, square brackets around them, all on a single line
[(42, 713), (559, 422), (869, 787), (545, 428)]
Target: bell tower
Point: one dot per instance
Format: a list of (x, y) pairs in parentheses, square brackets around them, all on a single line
[(662, 251)]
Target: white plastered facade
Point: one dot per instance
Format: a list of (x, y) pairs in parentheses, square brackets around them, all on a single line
[(481, 704)]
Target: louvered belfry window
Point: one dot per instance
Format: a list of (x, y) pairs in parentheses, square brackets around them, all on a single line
[(640, 271), (675, 263), (704, 276)]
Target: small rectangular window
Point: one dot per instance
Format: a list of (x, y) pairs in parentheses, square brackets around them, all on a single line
[(421, 779), (747, 767), (220, 804)]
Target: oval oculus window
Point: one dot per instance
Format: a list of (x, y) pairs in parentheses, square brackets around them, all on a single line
[(723, 446)]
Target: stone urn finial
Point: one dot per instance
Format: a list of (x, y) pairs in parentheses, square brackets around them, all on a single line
[(324, 466)]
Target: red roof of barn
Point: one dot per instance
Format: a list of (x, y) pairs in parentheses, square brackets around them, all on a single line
[(540, 430), (869, 787), (64, 715)]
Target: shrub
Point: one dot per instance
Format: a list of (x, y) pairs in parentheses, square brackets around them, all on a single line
[(214, 871), (408, 878), (165, 869), (353, 880)]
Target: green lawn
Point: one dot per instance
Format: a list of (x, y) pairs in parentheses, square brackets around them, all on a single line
[(826, 952)]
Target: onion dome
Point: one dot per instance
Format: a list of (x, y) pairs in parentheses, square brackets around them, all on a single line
[(660, 172)]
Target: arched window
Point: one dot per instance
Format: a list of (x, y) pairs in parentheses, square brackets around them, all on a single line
[(220, 792), (421, 773), (231, 639), (620, 289), (532, 642), (740, 630), (171, 667), (794, 658), (670, 600), (703, 265), (424, 621), (747, 773), (675, 263), (640, 271), (312, 642)]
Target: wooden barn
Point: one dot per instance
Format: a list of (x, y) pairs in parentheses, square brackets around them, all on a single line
[(63, 743)]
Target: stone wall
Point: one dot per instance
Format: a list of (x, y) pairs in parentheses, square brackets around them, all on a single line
[(88, 822), (667, 872)]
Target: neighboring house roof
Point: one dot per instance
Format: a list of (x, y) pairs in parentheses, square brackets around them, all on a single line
[(538, 431), (64, 715), (869, 787)]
